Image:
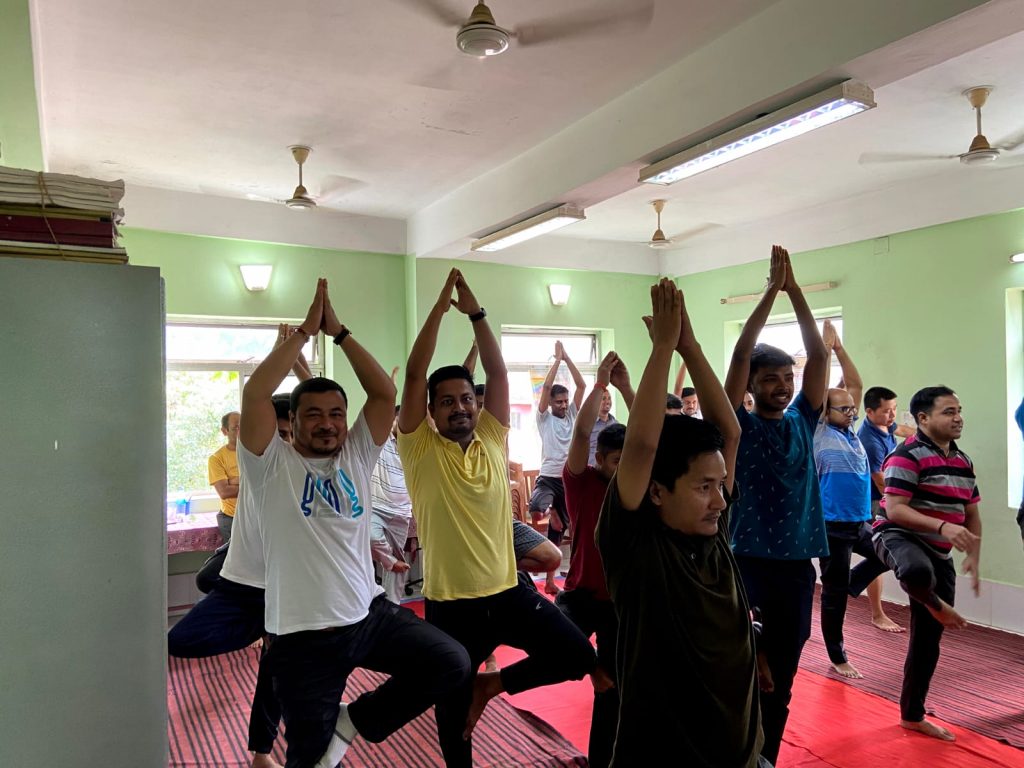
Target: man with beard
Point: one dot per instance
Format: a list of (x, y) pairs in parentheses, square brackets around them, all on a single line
[(458, 480), (777, 524), (325, 614)]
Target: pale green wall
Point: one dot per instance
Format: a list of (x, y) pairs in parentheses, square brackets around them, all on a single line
[(202, 278), (612, 302), (20, 146), (933, 310)]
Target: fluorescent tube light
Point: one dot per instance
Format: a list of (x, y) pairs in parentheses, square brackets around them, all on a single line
[(538, 225), (1017, 258), (829, 106)]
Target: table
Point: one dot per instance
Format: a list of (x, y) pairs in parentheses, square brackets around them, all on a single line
[(196, 533)]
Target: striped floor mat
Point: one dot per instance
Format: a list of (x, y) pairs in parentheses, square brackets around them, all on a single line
[(979, 683), (208, 702)]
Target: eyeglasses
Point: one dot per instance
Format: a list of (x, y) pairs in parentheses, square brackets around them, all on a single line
[(846, 410)]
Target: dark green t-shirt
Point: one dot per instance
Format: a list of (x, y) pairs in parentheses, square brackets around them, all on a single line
[(685, 660)]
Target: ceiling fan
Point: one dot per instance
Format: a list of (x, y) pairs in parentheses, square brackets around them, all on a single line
[(658, 239), (981, 152), (331, 188), (480, 35)]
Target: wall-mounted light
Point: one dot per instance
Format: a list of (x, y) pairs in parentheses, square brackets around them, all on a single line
[(757, 296), (1017, 258), (559, 294), (256, 276), (535, 226)]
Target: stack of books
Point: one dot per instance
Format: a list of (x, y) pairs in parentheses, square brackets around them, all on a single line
[(57, 216)]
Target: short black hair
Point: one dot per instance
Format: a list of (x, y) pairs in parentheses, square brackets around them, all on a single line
[(225, 418), (611, 438), (558, 389), (282, 404), (688, 392), (446, 373), (316, 384), (767, 356), (683, 438), (671, 401), (479, 390), (924, 399), (873, 397)]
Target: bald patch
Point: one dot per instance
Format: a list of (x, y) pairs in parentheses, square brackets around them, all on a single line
[(839, 397)]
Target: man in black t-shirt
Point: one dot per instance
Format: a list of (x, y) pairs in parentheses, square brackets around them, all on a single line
[(684, 622)]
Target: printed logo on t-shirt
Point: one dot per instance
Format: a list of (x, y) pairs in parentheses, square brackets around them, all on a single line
[(343, 504)]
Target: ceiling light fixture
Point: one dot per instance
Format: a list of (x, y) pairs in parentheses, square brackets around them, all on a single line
[(1017, 258), (559, 294), (535, 226), (256, 276), (829, 106)]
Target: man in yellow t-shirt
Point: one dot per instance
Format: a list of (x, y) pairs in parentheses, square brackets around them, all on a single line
[(457, 476), (222, 469)]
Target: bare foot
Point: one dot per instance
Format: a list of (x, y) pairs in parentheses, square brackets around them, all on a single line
[(886, 624), (764, 674), (946, 616), (550, 587), (928, 729), (259, 760), (846, 669), (491, 665), (602, 680), (486, 686)]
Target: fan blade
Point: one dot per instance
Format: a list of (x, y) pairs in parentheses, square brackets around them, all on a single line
[(437, 11), (583, 24), (692, 232), (333, 188), (1012, 143), (870, 158)]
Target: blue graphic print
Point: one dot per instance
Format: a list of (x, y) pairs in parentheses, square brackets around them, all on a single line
[(324, 487)]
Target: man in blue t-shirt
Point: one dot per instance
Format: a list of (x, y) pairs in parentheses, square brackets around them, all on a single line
[(777, 525), (845, 483), (878, 435)]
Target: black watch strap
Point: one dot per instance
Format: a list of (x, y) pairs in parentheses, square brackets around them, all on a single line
[(478, 316), (344, 334)]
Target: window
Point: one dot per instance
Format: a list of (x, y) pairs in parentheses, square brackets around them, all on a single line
[(208, 363), (786, 336), (528, 356)]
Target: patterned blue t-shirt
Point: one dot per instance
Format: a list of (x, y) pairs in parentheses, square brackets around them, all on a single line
[(778, 513), (843, 475)]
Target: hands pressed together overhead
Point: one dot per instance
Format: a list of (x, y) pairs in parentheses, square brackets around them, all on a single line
[(321, 315)]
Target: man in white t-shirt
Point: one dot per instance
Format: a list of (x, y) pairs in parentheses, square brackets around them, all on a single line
[(391, 524), (324, 611), (555, 425)]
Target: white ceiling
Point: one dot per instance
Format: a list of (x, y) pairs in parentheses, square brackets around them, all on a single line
[(924, 114), (206, 96), (196, 103)]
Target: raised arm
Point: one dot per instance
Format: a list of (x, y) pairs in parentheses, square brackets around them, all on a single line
[(259, 422), (739, 368), (677, 390), (816, 370), (854, 384), (470, 362), (648, 414), (620, 380), (414, 393), (715, 404), (579, 448), (549, 380), (301, 368), (379, 410), (577, 378), (496, 402)]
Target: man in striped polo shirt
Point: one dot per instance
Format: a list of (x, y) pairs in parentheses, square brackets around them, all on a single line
[(930, 506)]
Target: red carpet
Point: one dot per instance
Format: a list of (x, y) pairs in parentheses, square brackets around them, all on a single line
[(979, 683), (208, 701)]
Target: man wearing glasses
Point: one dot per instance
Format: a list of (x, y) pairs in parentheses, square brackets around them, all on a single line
[(845, 480)]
